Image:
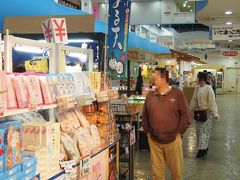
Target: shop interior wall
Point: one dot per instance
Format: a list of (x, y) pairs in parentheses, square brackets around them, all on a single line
[(223, 60)]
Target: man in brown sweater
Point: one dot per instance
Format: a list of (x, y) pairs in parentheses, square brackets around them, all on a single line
[(165, 118)]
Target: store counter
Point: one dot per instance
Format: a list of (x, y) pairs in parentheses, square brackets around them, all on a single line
[(188, 92)]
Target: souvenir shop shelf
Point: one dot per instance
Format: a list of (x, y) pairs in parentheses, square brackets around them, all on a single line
[(19, 111), (106, 147)]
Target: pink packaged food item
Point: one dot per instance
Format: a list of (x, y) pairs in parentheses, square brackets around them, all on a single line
[(11, 95), (3, 92), (32, 89), (39, 91), (21, 91), (47, 92)]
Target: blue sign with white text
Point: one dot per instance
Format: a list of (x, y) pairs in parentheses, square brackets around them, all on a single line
[(118, 27)]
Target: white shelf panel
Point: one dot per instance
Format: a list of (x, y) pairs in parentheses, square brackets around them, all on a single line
[(18, 111)]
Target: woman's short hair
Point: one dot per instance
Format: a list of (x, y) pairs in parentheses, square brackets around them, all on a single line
[(163, 73), (202, 76)]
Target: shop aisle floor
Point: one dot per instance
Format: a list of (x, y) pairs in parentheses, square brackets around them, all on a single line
[(223, 160)]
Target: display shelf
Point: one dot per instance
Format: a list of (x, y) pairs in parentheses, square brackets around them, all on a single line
[(19, 111), (103, 148)]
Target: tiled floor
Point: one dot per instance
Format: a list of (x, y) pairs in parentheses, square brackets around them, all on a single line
[(223, 160)]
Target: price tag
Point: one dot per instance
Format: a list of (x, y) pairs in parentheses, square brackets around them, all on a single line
[(68, 166), (132, 136), (85, 166), (65, 102), (33, 104)]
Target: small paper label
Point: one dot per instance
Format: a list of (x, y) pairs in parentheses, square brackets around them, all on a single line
[(68, 166), (85, 166)]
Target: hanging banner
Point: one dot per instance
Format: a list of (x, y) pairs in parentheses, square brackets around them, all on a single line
[(118, 27), (226, 32)]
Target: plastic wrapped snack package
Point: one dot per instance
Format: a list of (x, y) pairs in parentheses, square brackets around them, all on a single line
[(70, 147), (82, 142), (66, 127), (91, 117), (21, 91), (95, 134), (103, 118), (48, 95), (75, 122), (103, 106), (11, 95), (39, 91), (87, 133), (82, 119), (3, 92), (31, 83)]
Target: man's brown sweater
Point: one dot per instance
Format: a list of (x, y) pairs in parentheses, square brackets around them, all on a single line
[(165, 115)]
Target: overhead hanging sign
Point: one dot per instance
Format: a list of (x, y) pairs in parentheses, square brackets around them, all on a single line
[(55, 30), (118, 27), (229, 46), (226, 32), (230, 53)]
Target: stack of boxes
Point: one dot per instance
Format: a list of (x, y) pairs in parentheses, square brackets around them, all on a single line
[(42, 140), (12, 165), (29, 165)]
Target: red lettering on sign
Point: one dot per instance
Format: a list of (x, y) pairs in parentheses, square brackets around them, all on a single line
[(48, 31), (61, 32), (230, 53)]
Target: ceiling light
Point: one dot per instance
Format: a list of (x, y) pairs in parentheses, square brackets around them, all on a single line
[(81, 56), (188, 6), (191, 10), (184, 5), (185, 2), (80, 40), (228, 12), (103, 6), (164, 29), (30, 49), (158, 25), (229, 40), (228, 23)]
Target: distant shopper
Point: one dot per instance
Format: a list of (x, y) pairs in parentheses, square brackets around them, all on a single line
[(139, 83), (204, 99), (165, 118)]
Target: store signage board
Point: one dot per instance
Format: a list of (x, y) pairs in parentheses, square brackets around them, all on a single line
[(230, 53), (55, 30), (226, 32), (118, 27), (230, 46)]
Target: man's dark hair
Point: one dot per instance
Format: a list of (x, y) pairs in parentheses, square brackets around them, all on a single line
[(163, 72)]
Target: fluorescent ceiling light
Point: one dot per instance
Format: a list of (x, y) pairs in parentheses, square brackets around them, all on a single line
[(164, 29), (185, 2), (73, 40), (29, 49), (228, 23), (184, 5), (189, 6), (228, 12), (81, 56), (80, 40), (191, 10), (230, 40), (158, 25)]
